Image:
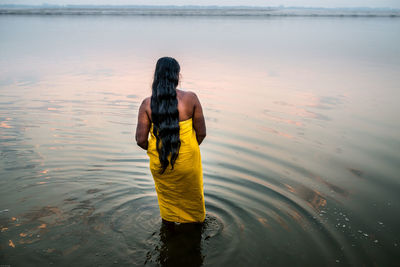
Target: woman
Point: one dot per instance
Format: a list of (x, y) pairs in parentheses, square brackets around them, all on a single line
[(175, 121)]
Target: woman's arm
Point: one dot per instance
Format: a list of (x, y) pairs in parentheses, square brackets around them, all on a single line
[(143, 125), (199, 123)]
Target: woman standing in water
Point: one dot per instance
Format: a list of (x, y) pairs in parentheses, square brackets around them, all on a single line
[(175, 121)]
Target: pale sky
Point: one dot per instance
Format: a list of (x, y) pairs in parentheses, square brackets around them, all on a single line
[(306, 3)]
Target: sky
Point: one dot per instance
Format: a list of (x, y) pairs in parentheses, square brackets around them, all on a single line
[(304, 3)]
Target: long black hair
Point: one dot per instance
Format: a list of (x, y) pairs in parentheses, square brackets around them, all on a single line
[(164, 110)]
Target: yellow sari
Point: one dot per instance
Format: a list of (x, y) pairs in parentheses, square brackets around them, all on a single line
[(180, 191)]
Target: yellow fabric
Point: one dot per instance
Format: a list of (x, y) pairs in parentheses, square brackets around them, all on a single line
[(180, 191)]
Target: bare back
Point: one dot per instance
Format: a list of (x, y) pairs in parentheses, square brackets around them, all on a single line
[(188, 106)]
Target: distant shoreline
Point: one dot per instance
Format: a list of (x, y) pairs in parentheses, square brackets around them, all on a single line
[(197, 11)]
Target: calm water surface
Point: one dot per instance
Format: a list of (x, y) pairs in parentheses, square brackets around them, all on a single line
[(301, 162)]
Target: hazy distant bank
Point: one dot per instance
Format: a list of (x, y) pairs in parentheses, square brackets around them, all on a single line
[(196, 11)]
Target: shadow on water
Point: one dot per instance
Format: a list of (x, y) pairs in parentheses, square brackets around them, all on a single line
[(180, 245)]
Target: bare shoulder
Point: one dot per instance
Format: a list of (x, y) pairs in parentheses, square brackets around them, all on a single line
[(189, 96), (146, 102)]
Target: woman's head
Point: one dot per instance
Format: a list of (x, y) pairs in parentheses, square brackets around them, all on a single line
[(164, 111), (167, 68)]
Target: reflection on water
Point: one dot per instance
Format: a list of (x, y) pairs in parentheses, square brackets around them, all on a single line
[(300, 162), (180, 245)]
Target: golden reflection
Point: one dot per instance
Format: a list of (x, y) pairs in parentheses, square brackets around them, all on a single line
[(4, 124), (316, 200), (264, 222), (291, 189), (49, 216), (11, 243), (313, 198), (297, 217), (282, 223)]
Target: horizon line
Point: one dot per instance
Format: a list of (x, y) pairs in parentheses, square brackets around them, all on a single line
[(45, 5)]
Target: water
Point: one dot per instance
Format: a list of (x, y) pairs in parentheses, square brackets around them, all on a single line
[(301, 161)]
